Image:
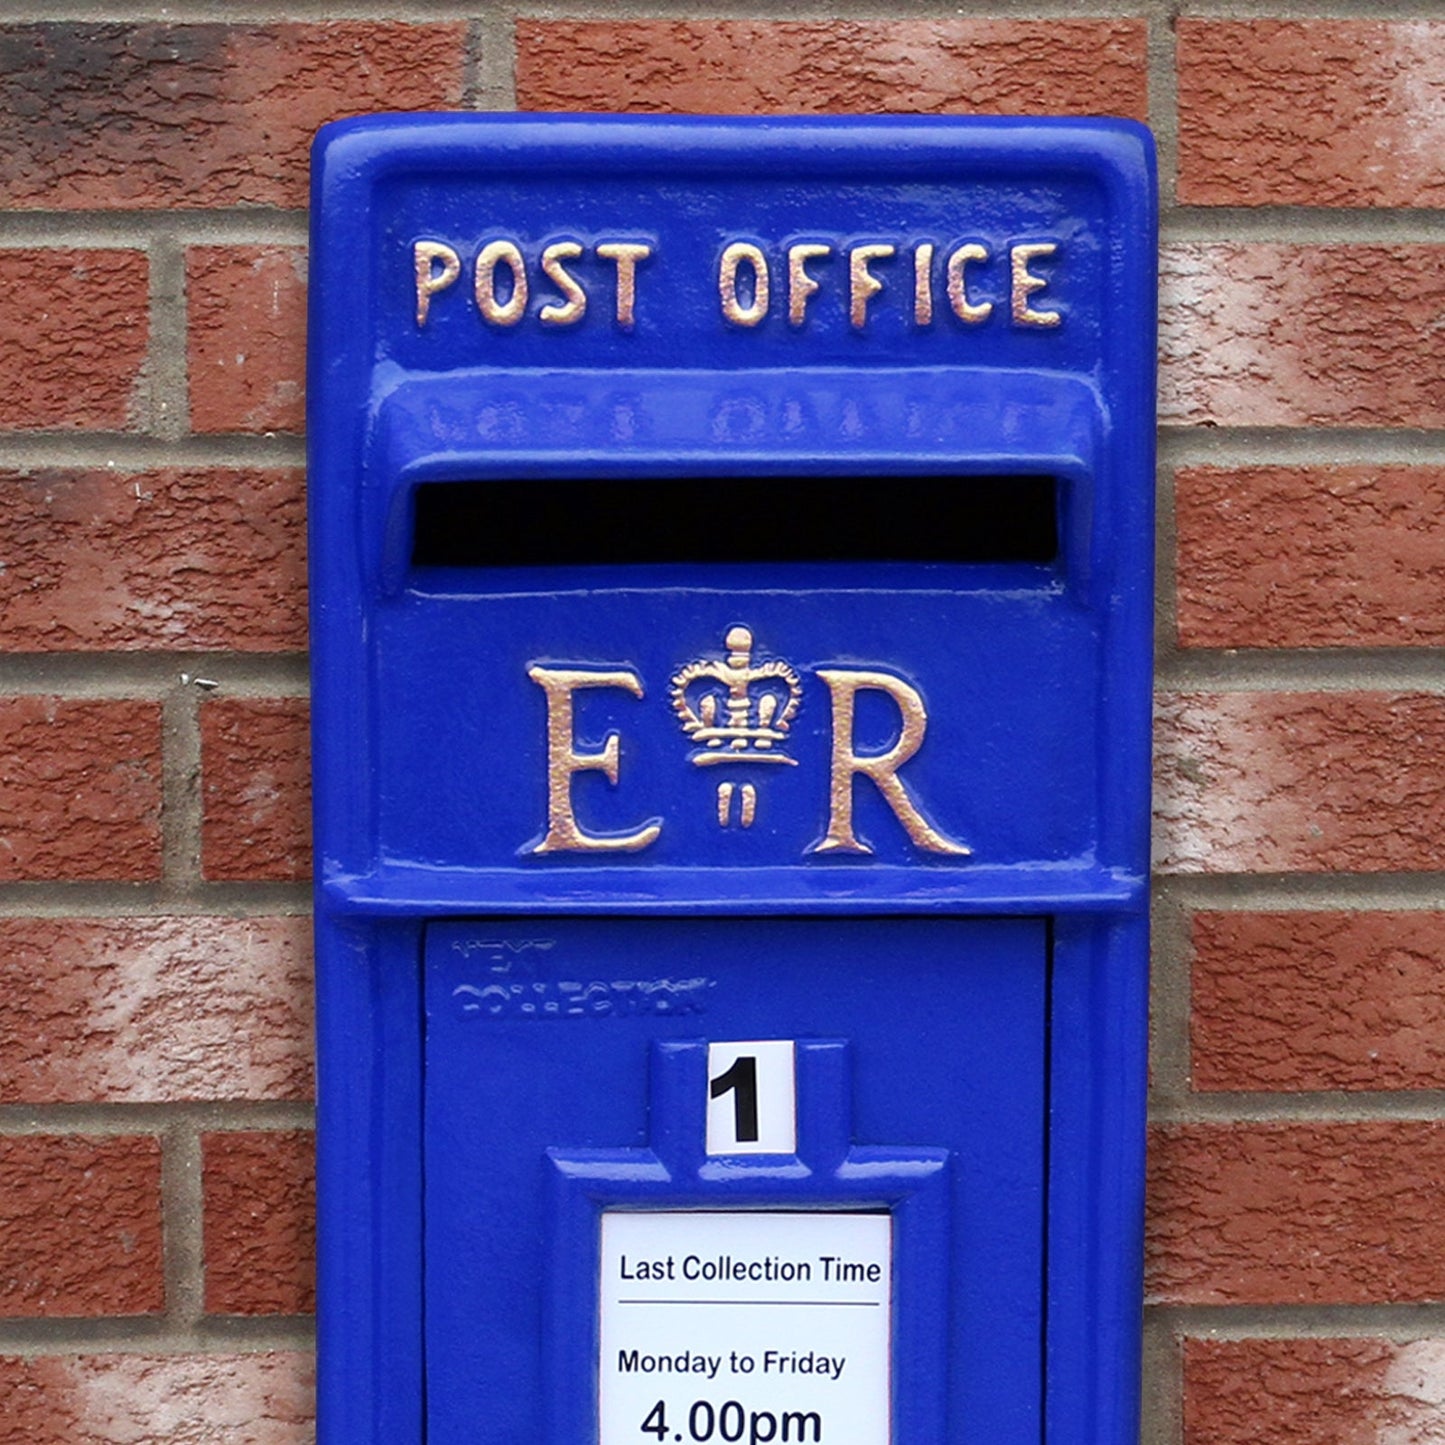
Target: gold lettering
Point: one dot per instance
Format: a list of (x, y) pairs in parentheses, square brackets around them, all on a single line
[(963, 308), (429, 281), (881, 769), (510, 312), (626, 255), (574, 306), (923, 284), (800, 284), (1025, 283), (727, 284), (564, 833), (862, 283)]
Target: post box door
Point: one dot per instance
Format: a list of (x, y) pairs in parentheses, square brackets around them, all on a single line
[(910, 1056)]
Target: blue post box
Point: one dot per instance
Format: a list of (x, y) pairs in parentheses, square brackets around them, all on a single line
[(731, 550)]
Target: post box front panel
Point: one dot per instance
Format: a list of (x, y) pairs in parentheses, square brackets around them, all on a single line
[(777, 894), (822, 1070), (713, 308)]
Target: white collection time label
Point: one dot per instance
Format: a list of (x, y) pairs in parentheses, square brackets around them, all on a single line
[(751, 1326)]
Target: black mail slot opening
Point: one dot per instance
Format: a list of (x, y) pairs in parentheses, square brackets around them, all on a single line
[(574, 522)]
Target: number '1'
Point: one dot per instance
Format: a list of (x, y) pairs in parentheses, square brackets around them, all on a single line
[(742, 1079)]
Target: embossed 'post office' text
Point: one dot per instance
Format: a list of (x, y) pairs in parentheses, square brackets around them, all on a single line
[(552, 282)]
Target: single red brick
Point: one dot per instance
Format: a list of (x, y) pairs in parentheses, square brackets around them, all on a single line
[(137, 116), (80, 1225), (247, 338), (1330, 556), (255, 766), (73, 331), (265, 1398), (1318, 1001), (260, 1222), (1296, 1213), (1264, 334), (106, 561), (1260, 782), (1314, 1391), (743, 67), (141, 1010), (82, 789), (1311, 112)]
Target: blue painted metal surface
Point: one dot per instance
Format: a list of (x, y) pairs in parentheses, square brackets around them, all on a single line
[(480, 1099)]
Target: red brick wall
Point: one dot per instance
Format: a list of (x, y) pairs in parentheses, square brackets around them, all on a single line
[(156, 1198), (1294, 1235), (155, 1178)]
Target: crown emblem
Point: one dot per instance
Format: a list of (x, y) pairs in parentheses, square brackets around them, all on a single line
[(735, 708), (737, 711)]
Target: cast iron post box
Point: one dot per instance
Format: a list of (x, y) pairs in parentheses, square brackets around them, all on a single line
[(731, 550)]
